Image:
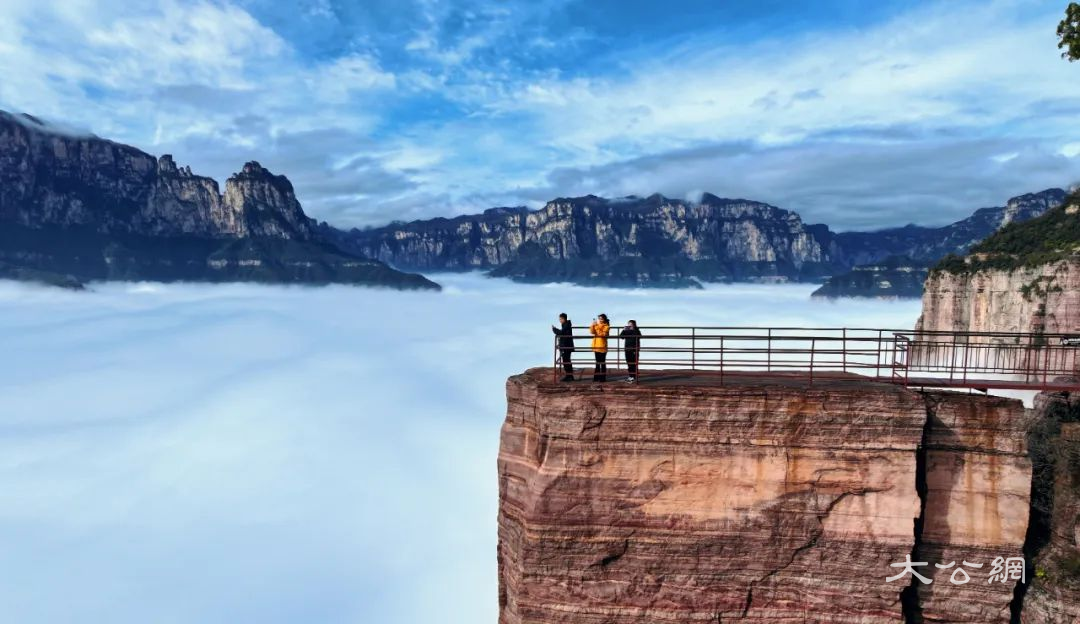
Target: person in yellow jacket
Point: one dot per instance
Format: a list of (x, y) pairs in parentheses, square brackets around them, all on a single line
[(599, 330)]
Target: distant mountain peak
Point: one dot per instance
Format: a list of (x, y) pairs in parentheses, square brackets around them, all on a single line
[(45, 127), (1028, 205), (253, 168), (96, 209)]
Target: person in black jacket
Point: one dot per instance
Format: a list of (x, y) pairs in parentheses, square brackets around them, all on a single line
[(631, 336), (565, 332)]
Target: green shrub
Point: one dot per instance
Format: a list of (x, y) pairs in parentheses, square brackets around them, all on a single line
[(1047, 238)]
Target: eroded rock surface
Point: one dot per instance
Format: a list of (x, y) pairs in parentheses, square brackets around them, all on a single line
[(1054, 594), (1043, 298), (75, 207), (978, 479), (761, 500)]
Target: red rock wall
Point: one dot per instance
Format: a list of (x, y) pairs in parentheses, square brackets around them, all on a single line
[(755, 501), (978, 479)]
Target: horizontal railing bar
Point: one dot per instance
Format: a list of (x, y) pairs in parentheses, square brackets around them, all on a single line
[(922, 332)]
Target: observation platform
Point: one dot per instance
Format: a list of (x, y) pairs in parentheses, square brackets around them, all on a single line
[(696, 356)]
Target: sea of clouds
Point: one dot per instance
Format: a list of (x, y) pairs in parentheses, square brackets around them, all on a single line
[(240, 453)]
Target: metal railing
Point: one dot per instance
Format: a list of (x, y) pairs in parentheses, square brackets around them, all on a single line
[(980, 360)]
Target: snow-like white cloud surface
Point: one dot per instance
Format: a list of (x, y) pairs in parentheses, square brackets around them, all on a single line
[(191, 453)]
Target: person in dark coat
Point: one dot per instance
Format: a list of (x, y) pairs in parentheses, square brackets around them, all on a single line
[(565, 332), (631, 336)]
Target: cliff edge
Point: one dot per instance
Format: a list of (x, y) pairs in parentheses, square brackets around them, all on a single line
[(764, 499)]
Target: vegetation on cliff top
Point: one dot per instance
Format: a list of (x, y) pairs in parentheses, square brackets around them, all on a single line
[(1048, 238)]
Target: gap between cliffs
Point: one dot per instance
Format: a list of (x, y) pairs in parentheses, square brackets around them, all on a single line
[(909, 597), (1042, 435)]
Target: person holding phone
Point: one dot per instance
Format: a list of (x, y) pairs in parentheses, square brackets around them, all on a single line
[(565, 332), (599, 330), (631, 336)]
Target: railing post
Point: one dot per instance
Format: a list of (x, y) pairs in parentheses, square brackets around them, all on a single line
[(555, 363), (1028, 367), (952, 358), (843, 349), (877, 358), (967, 348), (1046, 362), (908, 350), (693, 348), (721, 359), (768, 350), (813, 348), (618, 351)]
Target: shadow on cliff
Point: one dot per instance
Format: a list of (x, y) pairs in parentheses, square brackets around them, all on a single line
[(937, 436), (1044, 449)]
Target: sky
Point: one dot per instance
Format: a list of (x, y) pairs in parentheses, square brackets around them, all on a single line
[(240, 453), (856, 114)]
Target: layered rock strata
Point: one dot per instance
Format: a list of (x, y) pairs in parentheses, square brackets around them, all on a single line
[(54, 179), (978, 485), (660, 241), (764, 499), (1054, 594), (1043, 298), (626, 242)]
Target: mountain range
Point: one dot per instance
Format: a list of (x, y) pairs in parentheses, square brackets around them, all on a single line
[(895, 262), (76, 207), (659, 241)]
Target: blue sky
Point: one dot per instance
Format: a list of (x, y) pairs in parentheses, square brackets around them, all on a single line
[(856, 114)]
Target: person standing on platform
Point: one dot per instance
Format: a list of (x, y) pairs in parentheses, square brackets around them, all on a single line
[(599, 330), (565, 332), (631, 336)]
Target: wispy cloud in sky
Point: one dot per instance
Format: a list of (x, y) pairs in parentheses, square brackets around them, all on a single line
[(853, 115)]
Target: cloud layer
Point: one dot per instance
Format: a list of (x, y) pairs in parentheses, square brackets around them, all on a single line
[(378, 110), (237, 453)]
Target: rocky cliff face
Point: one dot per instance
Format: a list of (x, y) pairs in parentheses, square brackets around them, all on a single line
[(657, 241), (1036, 299), (976, 505), (266, 205), (51, 179), (633, 241), (1024, 278), (77, 207), (1054, 593), (761, 500)]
